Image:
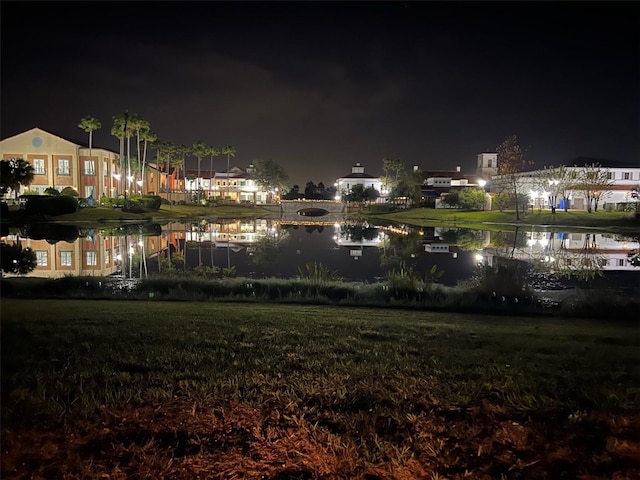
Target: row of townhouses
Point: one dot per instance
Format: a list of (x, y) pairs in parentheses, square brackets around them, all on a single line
[(97, 172)]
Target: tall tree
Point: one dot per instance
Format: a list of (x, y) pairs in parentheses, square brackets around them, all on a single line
[(391, 166), (13, 173), (147, 137), (138, 127), (408, 186), (270, 175), (213, 152), (595, 183), (558, 181), (199, 150), (122, 130), (229, 151), (179, 161), (164, 151), (89, 124), (511, 162)]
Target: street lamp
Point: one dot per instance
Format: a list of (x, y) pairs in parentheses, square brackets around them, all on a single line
[(552, 197), (482, 184)]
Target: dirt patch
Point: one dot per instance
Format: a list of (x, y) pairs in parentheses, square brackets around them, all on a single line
[(181, 440)]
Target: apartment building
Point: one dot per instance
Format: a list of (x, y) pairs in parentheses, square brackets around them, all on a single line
[(59, 163)]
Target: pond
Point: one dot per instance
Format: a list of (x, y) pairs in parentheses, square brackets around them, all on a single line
[(555, 260)]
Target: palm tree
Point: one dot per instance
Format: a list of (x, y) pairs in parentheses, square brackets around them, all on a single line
[(199, 150), (181, 152), (229, 151), (147, 137), (119, 129), (138, 125), (214, 152), (163, 157), (89, 124)]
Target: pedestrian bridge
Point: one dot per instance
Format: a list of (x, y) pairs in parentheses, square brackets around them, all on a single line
[(311, 208)]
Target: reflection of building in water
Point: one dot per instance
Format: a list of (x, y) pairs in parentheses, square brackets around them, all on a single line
[(357, 237), (95, 255), (84, 257), (453, 240), (233, 232), (572, 251)]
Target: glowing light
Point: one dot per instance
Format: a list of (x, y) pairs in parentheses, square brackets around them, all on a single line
[(479, 258), (482, 183)]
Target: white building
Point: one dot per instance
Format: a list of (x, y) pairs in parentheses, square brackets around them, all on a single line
[(623, 178), (345, 184)]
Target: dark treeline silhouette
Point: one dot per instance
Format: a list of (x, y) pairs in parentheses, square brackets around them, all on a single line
[(311, 192)]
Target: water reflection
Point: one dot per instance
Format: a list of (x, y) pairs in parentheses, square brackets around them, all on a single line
[(354, 251)]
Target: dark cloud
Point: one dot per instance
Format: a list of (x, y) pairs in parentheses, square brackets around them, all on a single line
[(320, 86)]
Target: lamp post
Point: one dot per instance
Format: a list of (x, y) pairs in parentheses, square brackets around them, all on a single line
[(482, 184), (553, 185)]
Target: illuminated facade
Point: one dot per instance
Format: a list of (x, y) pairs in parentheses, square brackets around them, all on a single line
[(345, 184), (60, 163)]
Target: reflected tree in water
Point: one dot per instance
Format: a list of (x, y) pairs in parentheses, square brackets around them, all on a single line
[(397, 248), (17, 260), (584, 264), (266, 249), (358, 233), (465, 238), (507, 278)]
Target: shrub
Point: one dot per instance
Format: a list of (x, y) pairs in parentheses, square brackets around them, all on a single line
[(48, 205), (69, 192), (141, 204)]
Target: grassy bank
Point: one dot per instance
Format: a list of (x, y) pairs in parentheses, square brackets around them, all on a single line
[(609, 221), (179, 389), (166, 213), (499, 292), (484, 219)]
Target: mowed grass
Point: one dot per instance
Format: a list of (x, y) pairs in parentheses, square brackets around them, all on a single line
[(363, 386), (572, 218), (98, 215)]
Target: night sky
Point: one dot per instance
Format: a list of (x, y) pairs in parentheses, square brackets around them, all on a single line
[(318, 87)]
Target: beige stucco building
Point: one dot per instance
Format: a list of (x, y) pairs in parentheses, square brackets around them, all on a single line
[(60, 163)]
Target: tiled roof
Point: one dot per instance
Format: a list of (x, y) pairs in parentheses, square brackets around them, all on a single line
[(359, 175)]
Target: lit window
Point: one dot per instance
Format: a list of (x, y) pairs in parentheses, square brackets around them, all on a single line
[(89, 168), (105, 169), (63, 167), (42, 257), (91, 258), (38, 166), (107, 257), (65, 258)]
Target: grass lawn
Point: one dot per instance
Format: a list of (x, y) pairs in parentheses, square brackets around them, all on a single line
[(99, 215), (125, 389), (572, 218)]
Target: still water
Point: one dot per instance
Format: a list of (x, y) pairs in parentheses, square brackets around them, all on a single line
[(365, 252)]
